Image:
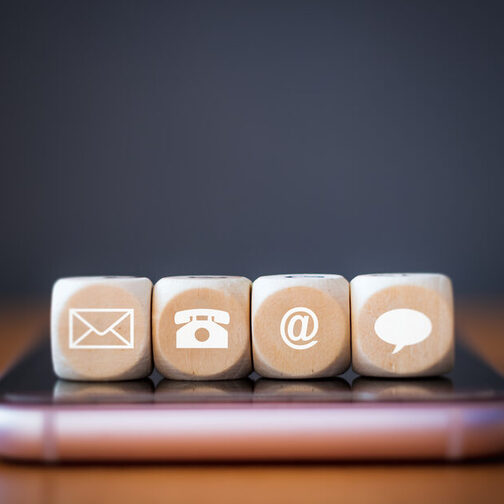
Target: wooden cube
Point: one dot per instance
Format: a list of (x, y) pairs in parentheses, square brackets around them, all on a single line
[(201, 327), (402, 324), (300, 326), (100, 328)]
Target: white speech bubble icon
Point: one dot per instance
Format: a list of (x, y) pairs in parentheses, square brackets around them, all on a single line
[(403, 327)]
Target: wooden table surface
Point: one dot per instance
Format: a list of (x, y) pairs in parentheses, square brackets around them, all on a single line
[(480, 322)]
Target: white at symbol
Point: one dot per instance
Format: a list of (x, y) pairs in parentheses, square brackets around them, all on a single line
[(300, 319)]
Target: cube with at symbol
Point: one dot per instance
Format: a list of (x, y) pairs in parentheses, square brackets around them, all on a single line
[(300, 326)]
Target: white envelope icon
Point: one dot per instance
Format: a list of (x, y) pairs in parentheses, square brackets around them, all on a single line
[(86, 334)]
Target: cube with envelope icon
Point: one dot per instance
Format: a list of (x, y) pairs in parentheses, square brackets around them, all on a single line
[(100, 328)]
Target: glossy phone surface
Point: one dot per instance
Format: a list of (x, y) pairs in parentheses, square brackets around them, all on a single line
[(455, 416)]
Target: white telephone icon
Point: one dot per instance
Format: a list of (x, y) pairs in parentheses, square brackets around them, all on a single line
[(215, 336)]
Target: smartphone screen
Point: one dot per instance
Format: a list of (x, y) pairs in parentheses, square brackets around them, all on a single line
[(33, 381)]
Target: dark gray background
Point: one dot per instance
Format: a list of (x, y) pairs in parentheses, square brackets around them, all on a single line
[(160, 138)]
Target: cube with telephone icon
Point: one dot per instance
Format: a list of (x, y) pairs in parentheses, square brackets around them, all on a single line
[(202, 328)]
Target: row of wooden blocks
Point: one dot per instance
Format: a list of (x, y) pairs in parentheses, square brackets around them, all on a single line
[(281, 326)]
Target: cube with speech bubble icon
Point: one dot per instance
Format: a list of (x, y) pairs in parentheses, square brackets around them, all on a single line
[(402, 324), (300, 326)]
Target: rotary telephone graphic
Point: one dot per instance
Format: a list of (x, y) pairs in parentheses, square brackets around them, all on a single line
[(217, 336)]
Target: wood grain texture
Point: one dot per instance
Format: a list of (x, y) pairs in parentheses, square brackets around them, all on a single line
[(425, 295), (300, 326), (197, 296), (78, 317), (479, 321)]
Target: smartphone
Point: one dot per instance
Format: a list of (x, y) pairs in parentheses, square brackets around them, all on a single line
[(453, 417)]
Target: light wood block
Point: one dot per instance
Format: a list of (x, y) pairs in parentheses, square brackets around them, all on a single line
[(402, 324), (201, 327), (100, 328), (300, 326)]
